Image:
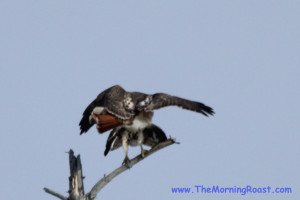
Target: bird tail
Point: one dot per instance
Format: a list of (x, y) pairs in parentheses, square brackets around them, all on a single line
[(106, 122)]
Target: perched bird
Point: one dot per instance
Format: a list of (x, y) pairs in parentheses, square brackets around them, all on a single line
[(130, 114)]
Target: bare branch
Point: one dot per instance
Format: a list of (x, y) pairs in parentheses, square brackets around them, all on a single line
[(76, 191), (55, 194), (106, 179)]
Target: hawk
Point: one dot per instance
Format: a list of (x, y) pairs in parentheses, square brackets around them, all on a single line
[(130, 114)]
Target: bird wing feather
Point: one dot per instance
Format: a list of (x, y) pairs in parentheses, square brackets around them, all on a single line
[(112, 100), (160, 100)]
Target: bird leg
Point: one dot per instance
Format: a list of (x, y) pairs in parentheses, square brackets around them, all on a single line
[(140, 142), (143, 151), (126, 161), (125, 148)]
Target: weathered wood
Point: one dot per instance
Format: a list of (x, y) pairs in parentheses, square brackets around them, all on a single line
[(76, 189), (106, 179), (55, 194)]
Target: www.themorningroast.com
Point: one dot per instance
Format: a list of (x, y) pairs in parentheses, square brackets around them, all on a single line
[(216, 189)]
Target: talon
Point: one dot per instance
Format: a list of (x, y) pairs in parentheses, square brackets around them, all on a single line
[(126, 161), (143, 153)]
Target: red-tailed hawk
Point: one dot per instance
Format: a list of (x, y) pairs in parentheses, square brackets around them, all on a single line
[(129, 114)]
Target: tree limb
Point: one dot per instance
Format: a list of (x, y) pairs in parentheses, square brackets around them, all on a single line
[(76, 190), (55, 194), (105, 180)]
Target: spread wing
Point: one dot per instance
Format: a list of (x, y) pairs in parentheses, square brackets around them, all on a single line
[(153, 135), (160, 100), (110, 101)]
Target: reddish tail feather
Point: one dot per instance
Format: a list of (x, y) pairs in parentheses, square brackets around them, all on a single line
[(106, 122)]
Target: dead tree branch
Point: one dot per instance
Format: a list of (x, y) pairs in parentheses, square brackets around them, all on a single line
[(76, 189), (55, 194)]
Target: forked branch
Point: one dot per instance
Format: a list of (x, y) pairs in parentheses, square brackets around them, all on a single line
[(76, 189)]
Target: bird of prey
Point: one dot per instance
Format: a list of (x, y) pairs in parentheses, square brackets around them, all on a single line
[(129, 114)]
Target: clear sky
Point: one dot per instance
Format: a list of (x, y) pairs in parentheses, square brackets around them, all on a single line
[(239, 57)]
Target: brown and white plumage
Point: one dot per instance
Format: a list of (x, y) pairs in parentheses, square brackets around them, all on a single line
[(121, 136), (129, 114)]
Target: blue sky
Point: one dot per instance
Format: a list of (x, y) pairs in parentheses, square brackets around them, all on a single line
[(239, 57)]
